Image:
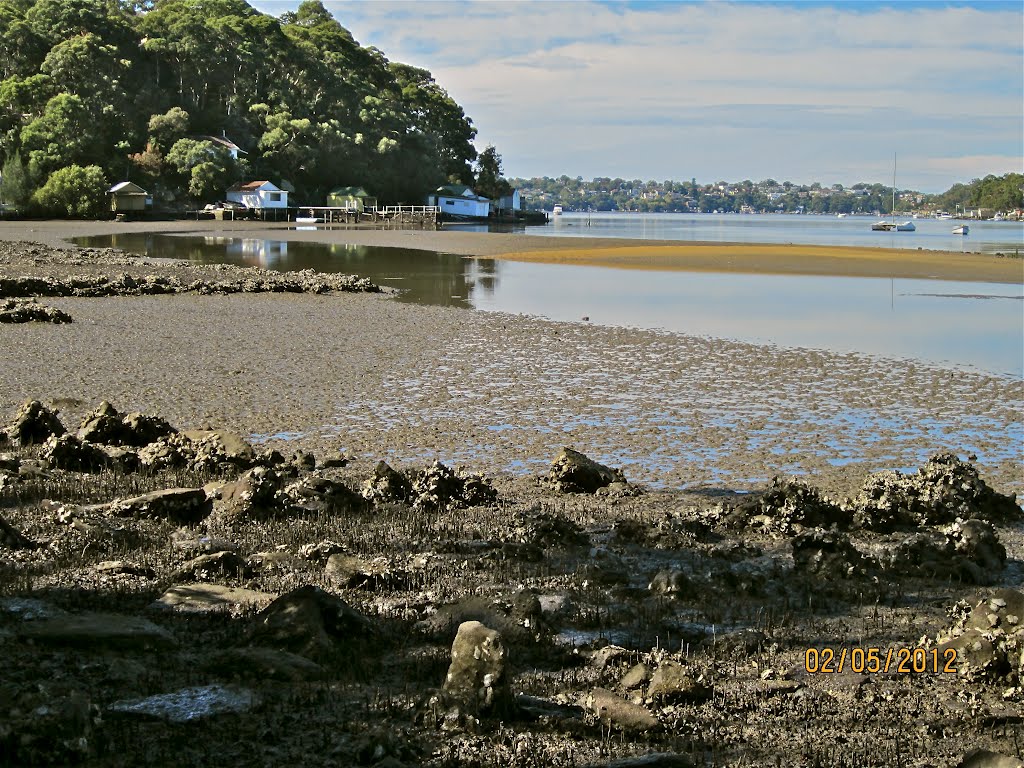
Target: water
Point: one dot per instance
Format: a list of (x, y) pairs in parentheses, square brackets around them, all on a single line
[(958, 324), (931, 234)]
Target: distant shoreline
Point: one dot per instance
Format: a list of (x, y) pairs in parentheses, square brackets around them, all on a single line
[(616, 253)]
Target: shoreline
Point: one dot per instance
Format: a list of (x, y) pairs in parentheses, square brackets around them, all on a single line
[(616, 253)]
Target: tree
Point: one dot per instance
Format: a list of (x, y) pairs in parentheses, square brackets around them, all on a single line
[(167, 128), (489, 182), (73, 191), (14, 188), (207, 169)]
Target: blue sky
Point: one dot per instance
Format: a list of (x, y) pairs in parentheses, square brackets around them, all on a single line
[(798, 91)]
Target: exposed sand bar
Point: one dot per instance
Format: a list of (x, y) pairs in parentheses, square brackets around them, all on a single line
[(593, 251)]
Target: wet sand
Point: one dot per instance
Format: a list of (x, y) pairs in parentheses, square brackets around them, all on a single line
[(604, 252)]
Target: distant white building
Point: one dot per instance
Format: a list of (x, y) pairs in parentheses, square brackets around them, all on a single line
[(258, 194), (223, 142), (459, 202)]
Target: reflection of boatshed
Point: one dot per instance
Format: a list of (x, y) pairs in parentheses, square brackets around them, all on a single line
[(352, 198), (128, 196), (258, 194)]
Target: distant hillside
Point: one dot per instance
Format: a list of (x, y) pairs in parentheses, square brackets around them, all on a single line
[(143, 91), (606, 194)]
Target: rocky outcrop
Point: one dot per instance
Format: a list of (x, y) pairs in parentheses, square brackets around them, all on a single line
[(435, 488), (310, 622), (943, 490), (789, 506), (30, 311), (989, 638), (572, 472), (251, 281), (476, 684), (827, 553), (34, 423)]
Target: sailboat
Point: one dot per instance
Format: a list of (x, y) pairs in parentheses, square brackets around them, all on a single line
[(889, 226)]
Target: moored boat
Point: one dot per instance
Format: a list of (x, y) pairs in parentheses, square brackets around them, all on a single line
[(962, 230), (906, 226)]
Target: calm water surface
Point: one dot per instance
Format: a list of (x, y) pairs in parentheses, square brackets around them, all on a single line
[(977, 325), (931, 234)]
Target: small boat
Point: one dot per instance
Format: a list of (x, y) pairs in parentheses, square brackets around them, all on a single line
[(943, 215), (891, 225), (840, 215), (906, 226), (962, 230), (556, 211), (883, 226), (312, 218)]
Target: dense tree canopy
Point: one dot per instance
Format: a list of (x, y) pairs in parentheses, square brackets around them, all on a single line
[(119, 85)]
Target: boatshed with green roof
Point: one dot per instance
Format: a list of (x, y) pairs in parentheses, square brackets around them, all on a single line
[(353, 198)]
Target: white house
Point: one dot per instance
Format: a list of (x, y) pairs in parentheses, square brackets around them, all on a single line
[(224, 142), (459, 202), (258, 194)]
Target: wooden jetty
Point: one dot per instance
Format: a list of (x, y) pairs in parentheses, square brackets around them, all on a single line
[(311, 215)]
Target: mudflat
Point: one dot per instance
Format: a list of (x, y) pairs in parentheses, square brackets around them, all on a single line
[(693, 610)]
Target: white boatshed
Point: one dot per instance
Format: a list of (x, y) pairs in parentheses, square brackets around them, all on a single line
[(460, 202), (258, 194)]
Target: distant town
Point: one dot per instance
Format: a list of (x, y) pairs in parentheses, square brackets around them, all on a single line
[(991, 197)]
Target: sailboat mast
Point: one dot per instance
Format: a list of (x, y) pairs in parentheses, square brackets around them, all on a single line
[(893, 187)]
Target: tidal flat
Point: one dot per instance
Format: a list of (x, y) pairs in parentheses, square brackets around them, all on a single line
[(665, 617)]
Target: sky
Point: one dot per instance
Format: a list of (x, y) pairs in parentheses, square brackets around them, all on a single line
[(833, 92)]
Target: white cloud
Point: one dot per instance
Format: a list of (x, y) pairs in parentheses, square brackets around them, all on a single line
[(721, 90)]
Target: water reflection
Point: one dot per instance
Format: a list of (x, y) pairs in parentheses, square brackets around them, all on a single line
[(947, 322), (423, 277)]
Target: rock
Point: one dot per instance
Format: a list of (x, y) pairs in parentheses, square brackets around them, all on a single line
[(124, 568), (387, 485), (828, 553), (439, 487), (256, 495), (258, 664), (969, 550), (188, 543), (181, 505), (986, 758), (34, 423), (69, 453), (351, 572), (189, 704), (526, 609), (615, 712), (547, 530), (44, 729), (672, 682), (669, 582), (104, 630), (977, 541), (572, 472), (321, 551), (220, 447), (943, 490), (215, 565), (637, 676), (476, 676), (104, 425), (790, 506), (12, 538), (211, 598), (310, 622), (318, 494), (989, 641), (30, 311)]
